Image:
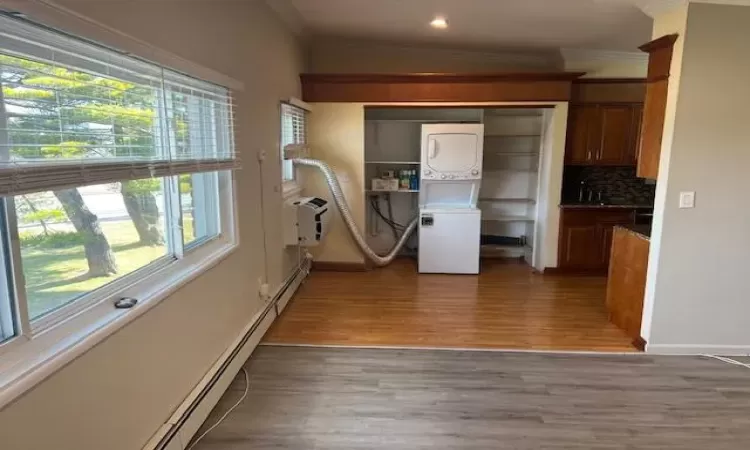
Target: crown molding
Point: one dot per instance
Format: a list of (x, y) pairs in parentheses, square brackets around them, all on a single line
[(655, 7), (289, 15), (724, 2), (592, 55)]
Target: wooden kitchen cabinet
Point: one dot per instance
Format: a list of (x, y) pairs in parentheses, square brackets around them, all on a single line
[(626, 284), (616, 129), (654, 113), (582, 133), (635, 137), (603, 134), (580, 247), (655, 105), (586, 237)]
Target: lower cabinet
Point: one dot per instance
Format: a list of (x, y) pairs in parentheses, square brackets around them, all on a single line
[(586, 237)]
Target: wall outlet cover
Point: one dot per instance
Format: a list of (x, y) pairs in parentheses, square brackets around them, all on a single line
[(687, 199)]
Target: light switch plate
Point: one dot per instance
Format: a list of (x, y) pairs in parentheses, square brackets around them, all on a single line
[(687, 199)]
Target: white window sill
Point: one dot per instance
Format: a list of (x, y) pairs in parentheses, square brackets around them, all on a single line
[(28, 362), (290, 189)]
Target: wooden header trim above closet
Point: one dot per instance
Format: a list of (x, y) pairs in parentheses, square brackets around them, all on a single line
[(608, 90), (660, 56), (438, 87)]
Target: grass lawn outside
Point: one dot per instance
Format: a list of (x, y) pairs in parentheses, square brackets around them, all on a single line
[(56, 276)]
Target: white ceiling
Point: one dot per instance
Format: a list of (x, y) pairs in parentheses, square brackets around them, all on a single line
[(518, 24)]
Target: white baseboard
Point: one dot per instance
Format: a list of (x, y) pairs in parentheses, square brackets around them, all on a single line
[(182, 426), (697, 349)]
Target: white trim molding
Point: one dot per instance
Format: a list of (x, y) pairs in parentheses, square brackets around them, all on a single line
[(653, 8), (698, 349), (187, 419), (294, 101)]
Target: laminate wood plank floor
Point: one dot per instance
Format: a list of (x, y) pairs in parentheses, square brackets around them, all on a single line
[(304, 398), (507, 306)]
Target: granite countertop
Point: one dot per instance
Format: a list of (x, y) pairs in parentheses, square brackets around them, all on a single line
[(598, 206), (643, 231)]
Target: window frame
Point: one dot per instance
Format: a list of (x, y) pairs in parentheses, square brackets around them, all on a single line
[(43, 346), (107, 291), (37, 351), (293, 186)]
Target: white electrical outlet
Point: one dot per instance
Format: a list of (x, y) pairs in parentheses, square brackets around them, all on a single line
[(264, 291), (687, 199)]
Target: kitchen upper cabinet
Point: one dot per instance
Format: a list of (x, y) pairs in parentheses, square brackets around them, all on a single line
[(655, 106), (616, 129), (603, 135), (582, 128), (635, 136), (586, 237)]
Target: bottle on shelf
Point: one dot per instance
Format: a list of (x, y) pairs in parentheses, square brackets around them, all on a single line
[(403, 179), (413, 181)]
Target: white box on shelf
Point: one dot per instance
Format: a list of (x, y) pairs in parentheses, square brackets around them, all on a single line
[(384, 184)]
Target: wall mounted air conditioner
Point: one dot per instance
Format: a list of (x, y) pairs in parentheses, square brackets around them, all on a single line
[(306, 221)]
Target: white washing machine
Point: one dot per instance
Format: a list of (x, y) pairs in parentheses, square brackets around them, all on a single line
[(451, 165), (449, 240), (450, 222)]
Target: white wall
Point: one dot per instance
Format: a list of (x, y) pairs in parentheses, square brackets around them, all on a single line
[(119, 393), (555, 123), (700, 274), (329, 55)]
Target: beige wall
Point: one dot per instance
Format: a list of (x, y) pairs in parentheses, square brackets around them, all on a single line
[(700, 278), (625, 68), (354, 56), (337, 136), (119, 393), (670, 22)]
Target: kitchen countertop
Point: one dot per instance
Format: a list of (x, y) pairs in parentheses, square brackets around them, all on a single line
[(643, 231), (597, 206)]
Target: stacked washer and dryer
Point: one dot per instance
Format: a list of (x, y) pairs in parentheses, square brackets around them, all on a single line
[(449, 220)]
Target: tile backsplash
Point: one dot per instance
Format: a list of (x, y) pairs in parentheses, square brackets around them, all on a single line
[(618, 185)]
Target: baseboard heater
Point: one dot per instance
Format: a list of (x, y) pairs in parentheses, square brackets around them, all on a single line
[(177, 433)]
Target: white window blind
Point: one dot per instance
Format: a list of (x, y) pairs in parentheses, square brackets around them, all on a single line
[(74, 113), (293, 131)]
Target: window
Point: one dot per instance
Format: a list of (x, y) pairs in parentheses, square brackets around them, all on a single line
[(112, 170), (293, 131)]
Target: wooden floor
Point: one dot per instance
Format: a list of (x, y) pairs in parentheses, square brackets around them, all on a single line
[(506, 307), (336, 398)]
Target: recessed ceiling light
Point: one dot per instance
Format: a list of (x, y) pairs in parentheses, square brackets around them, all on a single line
[(439, 23)]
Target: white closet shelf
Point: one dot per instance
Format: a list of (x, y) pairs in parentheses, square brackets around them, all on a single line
[(370, 191), (492, 218), (392, 162)]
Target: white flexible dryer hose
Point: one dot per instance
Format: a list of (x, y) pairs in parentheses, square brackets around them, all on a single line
[(338, 198)]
